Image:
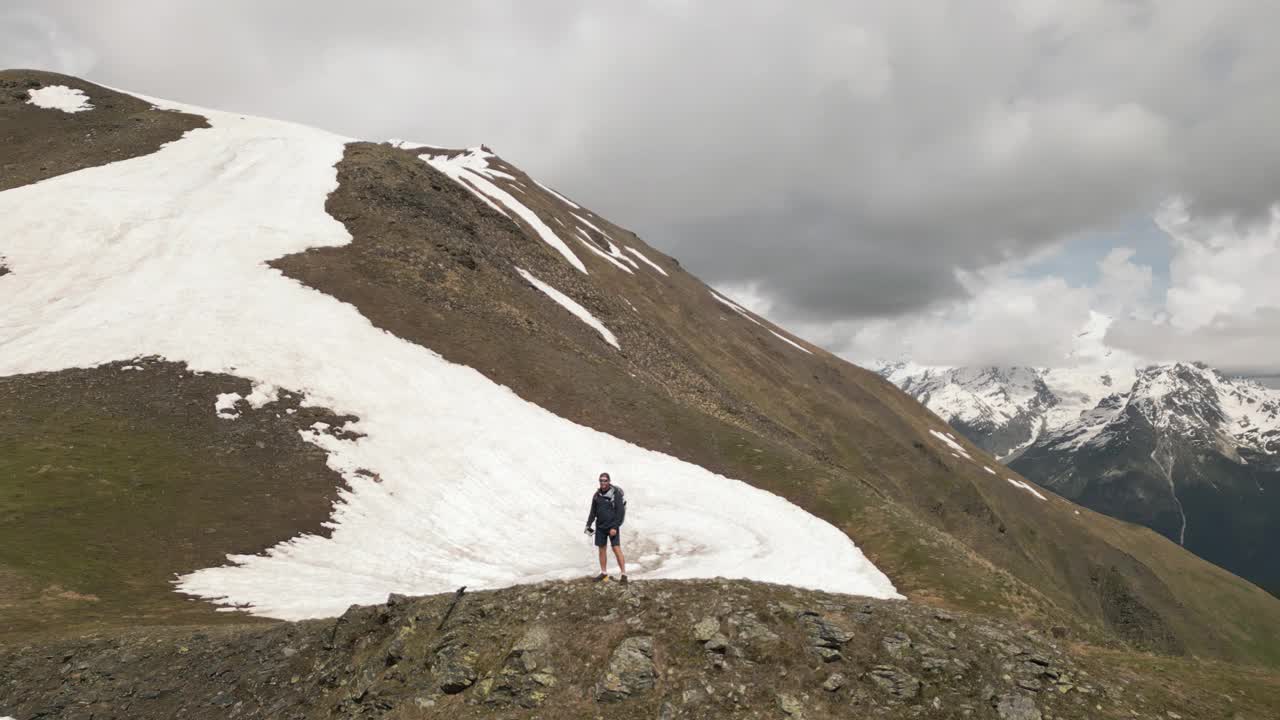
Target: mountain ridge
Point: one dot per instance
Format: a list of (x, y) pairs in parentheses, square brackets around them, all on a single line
[(1130, 444), (430, 268)]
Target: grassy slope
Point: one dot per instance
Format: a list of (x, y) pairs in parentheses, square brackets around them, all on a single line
[(116, 479)]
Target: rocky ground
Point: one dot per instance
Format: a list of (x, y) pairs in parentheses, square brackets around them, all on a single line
[(658, 649)]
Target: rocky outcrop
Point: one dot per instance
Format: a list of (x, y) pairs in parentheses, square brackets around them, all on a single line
[(659, 649), (526, 674), (631, 671)]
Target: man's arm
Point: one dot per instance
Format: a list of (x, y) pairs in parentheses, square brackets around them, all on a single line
[(591, 517)]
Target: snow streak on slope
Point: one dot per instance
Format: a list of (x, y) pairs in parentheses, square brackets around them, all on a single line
[(951, 443), (471, 169), (59, 97), (1026, 486), (165, 255), (562, 198), (590, 245), (741, 311), (614, 255), (642, 256), (569, 304)]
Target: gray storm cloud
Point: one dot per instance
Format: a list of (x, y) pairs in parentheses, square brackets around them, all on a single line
[(847, 159)]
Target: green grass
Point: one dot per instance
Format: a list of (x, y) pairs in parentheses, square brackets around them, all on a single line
[(108, 490)]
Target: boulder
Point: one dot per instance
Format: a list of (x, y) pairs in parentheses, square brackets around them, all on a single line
[(1017, 707), (790, 706), (824, 633), (897, 644), (895, 681), (454, 677), (706, 629), (717, 643), (631, 671)]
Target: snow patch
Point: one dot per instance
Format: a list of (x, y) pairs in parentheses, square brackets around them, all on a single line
[(989, 470), (408, 145), (742, 311), (586, 242), (641, 255), (1026, 486), (59, 97), (165, 255), (951, 443), (790, 342), (471, 169), (225, 406), (263, 393), (616, 256), (563, 199), (569, 304)]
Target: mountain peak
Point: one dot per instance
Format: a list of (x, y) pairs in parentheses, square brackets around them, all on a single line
[(1177, 446)]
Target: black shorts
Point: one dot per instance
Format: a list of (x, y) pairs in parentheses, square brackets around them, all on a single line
[(602, 537)]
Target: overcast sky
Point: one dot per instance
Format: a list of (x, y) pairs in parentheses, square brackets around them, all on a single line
[(958, 182)]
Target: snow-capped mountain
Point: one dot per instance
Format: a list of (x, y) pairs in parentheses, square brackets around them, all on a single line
[(1178, 447), (1005, 409)]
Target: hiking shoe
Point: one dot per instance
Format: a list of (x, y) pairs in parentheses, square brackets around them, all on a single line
[(623, 579), (600, 577)]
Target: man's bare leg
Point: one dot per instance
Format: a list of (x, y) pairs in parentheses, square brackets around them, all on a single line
[(604, 560), (622, 562)]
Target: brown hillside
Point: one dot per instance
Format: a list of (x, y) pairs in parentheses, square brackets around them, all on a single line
[(435, 265)]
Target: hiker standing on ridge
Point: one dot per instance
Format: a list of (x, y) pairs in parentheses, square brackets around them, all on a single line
[(608, 510)]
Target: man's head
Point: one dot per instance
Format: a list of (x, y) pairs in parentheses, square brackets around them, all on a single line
[(604, 481)]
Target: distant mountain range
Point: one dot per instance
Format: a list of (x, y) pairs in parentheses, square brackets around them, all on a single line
[(1178, 447)]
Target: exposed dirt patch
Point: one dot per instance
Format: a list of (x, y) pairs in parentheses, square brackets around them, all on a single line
[(39, 143), (113, 479)]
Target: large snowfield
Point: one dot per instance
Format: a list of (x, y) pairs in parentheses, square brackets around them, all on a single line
[(165, 255)]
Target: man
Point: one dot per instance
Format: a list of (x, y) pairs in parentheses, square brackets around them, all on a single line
[(608, 510)]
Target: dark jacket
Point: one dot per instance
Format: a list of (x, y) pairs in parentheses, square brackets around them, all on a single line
[(608, 509)]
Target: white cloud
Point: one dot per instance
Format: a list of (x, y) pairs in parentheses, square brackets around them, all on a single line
[(1223, 301), (851, 161), (1124, 287), (1007, 320)]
